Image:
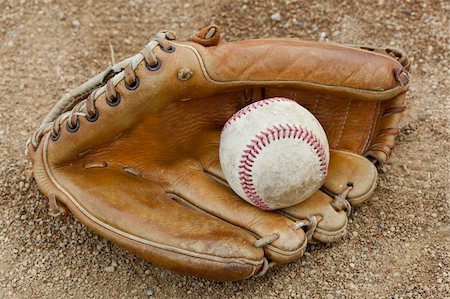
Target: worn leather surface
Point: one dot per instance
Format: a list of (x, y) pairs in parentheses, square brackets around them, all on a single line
[(146, 174)]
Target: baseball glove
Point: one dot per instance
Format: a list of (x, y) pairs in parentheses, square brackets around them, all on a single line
[(133, 152)]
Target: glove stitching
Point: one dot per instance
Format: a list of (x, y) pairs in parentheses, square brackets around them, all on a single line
[(343, 124), (316, 103)]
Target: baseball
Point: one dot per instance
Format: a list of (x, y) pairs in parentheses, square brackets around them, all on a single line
[(274, 153)]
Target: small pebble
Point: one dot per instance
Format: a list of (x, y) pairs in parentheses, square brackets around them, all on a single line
[(109, 269), (322, 36), (149, 292), (75, 24), (276, 17)]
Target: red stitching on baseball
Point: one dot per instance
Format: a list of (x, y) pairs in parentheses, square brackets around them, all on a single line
[(252, 107), (256, 146)]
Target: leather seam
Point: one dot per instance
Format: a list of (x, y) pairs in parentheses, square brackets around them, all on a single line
[(343, 124), (329, 233), (372, 129)]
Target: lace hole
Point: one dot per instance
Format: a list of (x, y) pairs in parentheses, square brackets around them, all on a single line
[(114, 102), (155, 67), (350, 184), (171, 49), (134, 85), (55, 137), (74, 128), (93, 117)]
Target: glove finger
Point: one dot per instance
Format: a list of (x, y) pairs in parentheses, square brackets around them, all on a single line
[(331, 224), (327, 225), (346, 170), (287, 243), (147, 222)]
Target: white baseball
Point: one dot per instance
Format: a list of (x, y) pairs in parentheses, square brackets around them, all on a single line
[(274, 153)]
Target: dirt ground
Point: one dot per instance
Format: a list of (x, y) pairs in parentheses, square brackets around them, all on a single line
[(397, 244)]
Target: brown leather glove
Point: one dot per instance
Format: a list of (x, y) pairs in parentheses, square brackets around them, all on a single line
[(133, 153)]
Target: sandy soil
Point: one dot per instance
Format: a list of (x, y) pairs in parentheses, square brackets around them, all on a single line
[(398, 243)]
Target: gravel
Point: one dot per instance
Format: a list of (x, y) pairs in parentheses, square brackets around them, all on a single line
[(398, 243)]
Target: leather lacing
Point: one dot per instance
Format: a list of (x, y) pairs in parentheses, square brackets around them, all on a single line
[(87, 108), (55, 208), (384, 146), (339, 203), (265, 267), (403, 77)]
